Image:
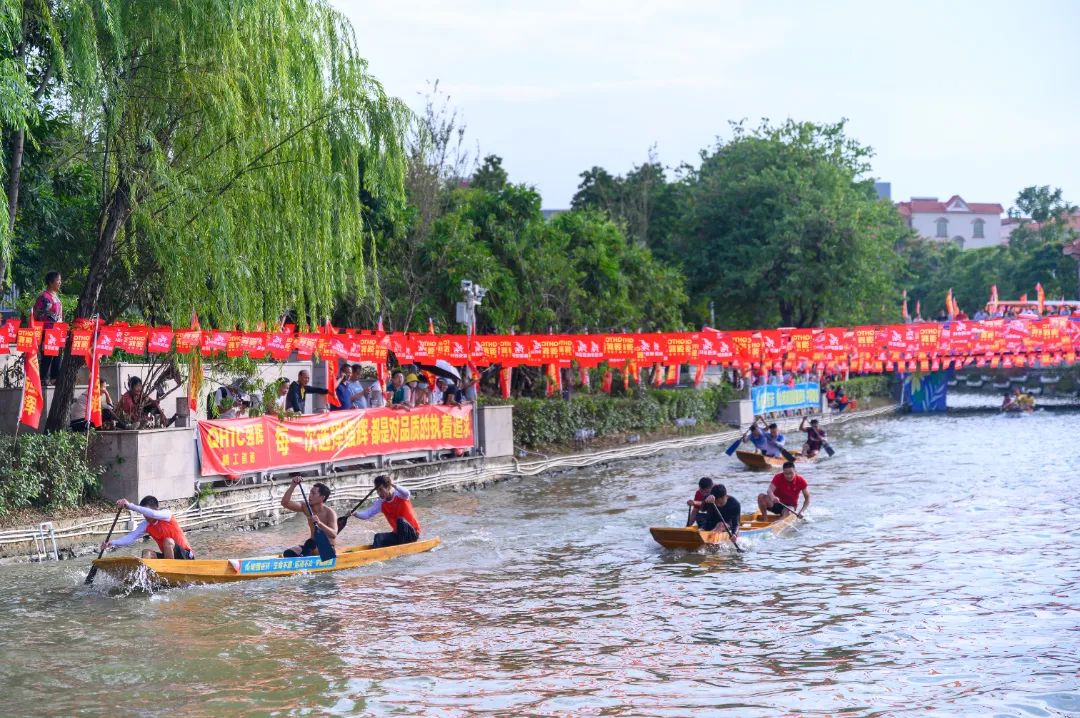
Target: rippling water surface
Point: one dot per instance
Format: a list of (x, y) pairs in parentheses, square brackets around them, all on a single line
[(938, 575)]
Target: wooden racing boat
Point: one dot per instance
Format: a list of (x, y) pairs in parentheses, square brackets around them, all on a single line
[(691, 537), (758, 461), (173, 572)]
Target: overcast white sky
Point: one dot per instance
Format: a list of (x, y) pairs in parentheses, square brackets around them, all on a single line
[(972, 98)]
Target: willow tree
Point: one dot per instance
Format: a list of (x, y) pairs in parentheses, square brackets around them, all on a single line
[(234, 138)]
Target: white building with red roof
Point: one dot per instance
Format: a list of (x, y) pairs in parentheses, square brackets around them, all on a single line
[(970, 225)]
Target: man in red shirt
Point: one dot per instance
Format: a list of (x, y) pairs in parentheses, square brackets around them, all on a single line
[(705, 485), (783, 493)]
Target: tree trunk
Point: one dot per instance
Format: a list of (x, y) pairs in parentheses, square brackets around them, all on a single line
[(113, 218), (18, 143)]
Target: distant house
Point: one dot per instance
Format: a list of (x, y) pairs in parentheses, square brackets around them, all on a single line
[(970, 225)]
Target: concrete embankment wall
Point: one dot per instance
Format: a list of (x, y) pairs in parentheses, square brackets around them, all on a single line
[(256, 506)]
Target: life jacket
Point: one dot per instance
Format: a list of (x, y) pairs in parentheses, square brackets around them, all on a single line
[(398, 507), (161, 530)]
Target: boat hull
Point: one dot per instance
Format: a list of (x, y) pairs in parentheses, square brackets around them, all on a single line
[(760, 462), (692, 538), (172, 572)]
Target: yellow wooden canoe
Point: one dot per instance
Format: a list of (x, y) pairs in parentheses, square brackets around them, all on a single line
[(172, 572), (691, 537), (755, 460)]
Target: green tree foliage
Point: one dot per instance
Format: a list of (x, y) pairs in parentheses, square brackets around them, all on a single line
[(234, 141), (642, 201), (783, 226)]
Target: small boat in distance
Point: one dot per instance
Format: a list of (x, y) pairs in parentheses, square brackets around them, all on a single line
[(692, 538), (158, 572), (754, 460)]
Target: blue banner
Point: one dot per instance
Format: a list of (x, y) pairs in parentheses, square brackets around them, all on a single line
[(772, 398), (926, 392), (275, 564)]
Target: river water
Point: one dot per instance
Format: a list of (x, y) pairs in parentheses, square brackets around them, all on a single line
[(938, 574)]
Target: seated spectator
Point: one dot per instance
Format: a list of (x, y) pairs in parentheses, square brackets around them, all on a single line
[(108, 416), (452, 396), (375, 396), (438, 391), (239, 408), (421, 394), (401, 394), (222, 395), (139, 409), (282, 393), (296, 399)]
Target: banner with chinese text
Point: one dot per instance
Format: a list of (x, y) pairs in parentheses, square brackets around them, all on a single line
[(239, 446)]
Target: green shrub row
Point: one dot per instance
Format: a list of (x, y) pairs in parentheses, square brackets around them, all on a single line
[(553, 421), (862, 387), (49, 471)]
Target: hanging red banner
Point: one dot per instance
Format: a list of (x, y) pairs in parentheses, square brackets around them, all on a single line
[(237, 446)]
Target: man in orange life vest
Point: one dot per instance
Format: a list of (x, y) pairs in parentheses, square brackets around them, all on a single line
[(162, 527), (395, 503)]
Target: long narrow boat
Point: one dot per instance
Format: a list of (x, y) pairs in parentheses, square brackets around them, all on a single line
[(692, 538), (761, 462), (172, 572)]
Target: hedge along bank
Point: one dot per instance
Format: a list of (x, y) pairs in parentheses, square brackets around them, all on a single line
[(47, 471), (555, 420)]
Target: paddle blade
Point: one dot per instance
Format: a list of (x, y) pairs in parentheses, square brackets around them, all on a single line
[(785, 453), (730, 451), (90, 576), (828, 449), (326, 549), (341, 521)]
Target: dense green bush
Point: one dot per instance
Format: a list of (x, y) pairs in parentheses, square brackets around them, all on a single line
[(551, 421), (45, 470), (862, 387)]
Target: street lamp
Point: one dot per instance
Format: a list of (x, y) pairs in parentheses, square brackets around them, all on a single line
[(466, 314)]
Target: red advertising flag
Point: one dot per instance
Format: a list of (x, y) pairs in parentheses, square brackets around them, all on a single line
[(93, 394), (605, 383), (133, 340), (306, 344), (54, 339), (28, 338), (159, 340), (217, 341), (673, 374), (188, 339), (254, 344), (280, 345), (505, 376), (699, 374), (33, 400), (81, 340)]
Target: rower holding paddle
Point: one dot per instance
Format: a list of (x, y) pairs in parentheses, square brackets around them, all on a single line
[(321, 518), (717, 507), (395, 503), (783, 493), (815, 438), (162, 527)]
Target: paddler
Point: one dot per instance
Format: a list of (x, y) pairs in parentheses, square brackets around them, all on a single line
[(162, 527), (715, 507), (783, 493), (815, 437), (321, 515), (395, 503)]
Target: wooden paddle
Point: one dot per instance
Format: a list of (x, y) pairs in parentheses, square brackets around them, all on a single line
[(730, 451), (727, 528), (689, 513), (93, 569), (342, 520), (792, 510), (322, 542)]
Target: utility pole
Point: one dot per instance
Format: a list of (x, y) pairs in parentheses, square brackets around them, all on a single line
[(466, 311), (712, 313)]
